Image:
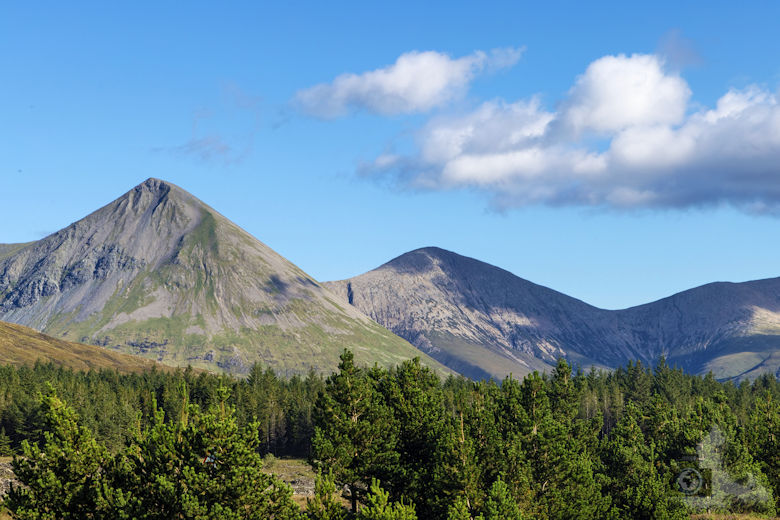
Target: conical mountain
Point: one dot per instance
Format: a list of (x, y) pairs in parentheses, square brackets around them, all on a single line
[(484, 321), (159, 273)]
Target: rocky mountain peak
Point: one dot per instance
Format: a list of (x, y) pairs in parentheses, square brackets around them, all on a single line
[(154, 184), (436, 259), (160, 273), (138, 230), (417, 261), (155, 191)]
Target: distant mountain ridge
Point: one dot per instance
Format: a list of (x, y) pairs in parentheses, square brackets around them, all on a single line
[(730, 328), (485, 321), (159, 273)]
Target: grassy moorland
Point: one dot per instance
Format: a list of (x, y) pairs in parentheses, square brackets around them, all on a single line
[(24, 346)]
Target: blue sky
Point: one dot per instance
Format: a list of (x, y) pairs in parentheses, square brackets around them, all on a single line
[(615, 153)]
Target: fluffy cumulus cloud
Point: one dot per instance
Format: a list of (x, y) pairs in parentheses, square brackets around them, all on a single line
[(416, 82), (618, 92), (626, 136)]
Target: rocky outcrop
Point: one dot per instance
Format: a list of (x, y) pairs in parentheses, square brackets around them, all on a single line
[(7, 477)]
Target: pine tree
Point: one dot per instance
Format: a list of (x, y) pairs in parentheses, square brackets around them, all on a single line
[(637, 383), (564, 485), (564, 395), (460, 510), (203, 466), (460, 464), (414, 396), (763, 437), (500, 505), (65, 477), (479, 443), (637, 489), (325, 504), (513, 423), (378, 506), (736, 484), (6, 449), (354, 434)]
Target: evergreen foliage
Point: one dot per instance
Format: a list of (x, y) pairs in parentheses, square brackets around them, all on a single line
[(108, 403), (354, 434), (201, 467), (5, 444), (459, 510), (500, 504), (762, 434), (566, 445), (631, 477), (325, 505), (378, 506), (66, 477)]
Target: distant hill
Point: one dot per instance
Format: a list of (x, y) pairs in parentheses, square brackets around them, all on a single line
[(21, 345), (484, 321), (160, 274)]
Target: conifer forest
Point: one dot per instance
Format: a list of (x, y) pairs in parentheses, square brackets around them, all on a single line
[(403, 443)]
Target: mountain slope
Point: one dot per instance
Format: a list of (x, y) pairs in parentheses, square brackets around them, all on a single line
[(732, 329), (21, 345), (159, 273), (477, 318), (7, 249), (485, 321)]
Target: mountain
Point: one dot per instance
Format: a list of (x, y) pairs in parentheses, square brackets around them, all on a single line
[(21, 345), (476, 318), (731, 329), (484, 321), (158, 273)]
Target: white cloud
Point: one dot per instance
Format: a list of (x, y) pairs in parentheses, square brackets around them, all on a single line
[(625, 137), (416, 82), (494, 126), (617, 92)]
